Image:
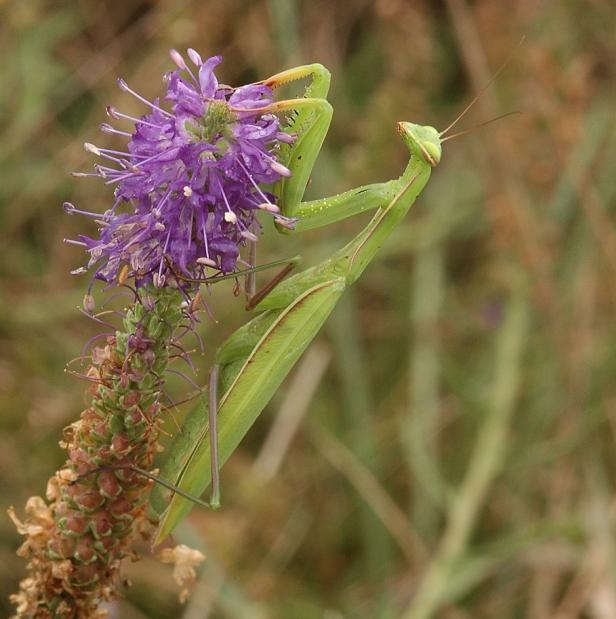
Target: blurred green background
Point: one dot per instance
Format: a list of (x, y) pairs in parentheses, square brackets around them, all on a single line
[(446, 447)]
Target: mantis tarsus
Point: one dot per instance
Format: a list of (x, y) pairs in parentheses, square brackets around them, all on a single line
[(252, 363)]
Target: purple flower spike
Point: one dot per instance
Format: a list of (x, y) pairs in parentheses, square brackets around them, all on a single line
[(187, 187)]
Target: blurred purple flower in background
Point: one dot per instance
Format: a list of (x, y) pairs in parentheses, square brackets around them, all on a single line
[(188, 186)]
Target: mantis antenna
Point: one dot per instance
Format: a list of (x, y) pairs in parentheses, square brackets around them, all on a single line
[(483, 124), (483, 90)]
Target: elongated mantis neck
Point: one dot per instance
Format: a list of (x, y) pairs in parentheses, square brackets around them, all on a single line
[(352, 259)]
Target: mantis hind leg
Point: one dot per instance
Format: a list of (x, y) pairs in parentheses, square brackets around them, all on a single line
[(213, 431), (250, 286), (254, 297)]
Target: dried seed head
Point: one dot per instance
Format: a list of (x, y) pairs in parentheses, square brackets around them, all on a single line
[(184, 560)]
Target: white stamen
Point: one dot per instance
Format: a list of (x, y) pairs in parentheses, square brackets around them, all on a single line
[(91, 148), (79, 271), (158, 280), (159, 226), (123, 153), (207, 249), (278, 167), (71, 210), (158, 211), (73, 242), (252, 180), (188, 191), (111, 111), (177, 58), (269, 207), (249, 235), (230, 217), (286, 138), (104, 152), (194, 56), (125, 87), (206, 261), (107, 128)]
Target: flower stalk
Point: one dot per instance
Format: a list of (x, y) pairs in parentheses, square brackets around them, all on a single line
[(96, 503)]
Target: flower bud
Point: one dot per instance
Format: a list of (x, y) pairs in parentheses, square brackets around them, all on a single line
[(108, 484), (84, 550)]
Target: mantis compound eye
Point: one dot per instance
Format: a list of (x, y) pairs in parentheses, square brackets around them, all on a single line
[(423, 141)]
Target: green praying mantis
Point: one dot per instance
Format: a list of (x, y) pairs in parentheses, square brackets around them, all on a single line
[(253, 362)]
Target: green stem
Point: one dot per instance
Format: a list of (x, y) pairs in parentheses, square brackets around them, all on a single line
[(75, 543), (358, 408), (419, 432), (485, 464)]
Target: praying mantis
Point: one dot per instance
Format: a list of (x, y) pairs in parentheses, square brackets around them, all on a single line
[(253, 362)]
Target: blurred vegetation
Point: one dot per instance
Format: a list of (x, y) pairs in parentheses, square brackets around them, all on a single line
[(447, 447)]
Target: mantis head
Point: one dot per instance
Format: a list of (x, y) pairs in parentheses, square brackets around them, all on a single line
[(423, 142)]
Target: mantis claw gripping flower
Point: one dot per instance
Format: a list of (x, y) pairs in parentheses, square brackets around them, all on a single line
[(187, 187)]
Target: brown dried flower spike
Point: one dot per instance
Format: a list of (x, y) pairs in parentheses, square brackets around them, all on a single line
[(96, 503)]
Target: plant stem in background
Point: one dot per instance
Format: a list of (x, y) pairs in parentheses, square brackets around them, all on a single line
[(486, 462), (420, 430), (361, 424)]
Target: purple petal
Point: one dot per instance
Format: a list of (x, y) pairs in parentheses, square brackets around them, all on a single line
[(185, 174), (207, 79)]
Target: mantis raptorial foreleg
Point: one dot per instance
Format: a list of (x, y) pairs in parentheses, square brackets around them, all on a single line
[(310, 122)]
